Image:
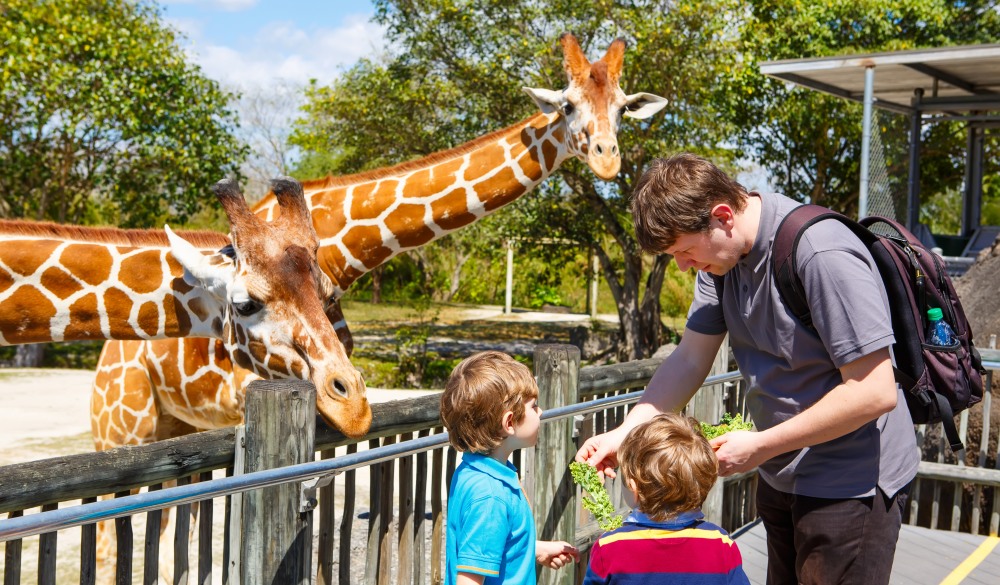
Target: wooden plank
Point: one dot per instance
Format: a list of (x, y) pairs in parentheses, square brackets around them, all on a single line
[(984, 444), (12, 556), (419, 515), (404, 540), (47, 550), (557, 368), (205, 536), (151, 547), (346, 522), (124, 539), (88, 550), (277, 536), (233, 572), (437, 517), (385, 503), (597, 380), (956, 473), (374, 510), (327, 520), (182, 535)]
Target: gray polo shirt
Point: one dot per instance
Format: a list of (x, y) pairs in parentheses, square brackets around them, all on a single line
[(788, 367)]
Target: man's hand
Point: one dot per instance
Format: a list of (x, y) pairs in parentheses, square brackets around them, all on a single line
[(601, 451), (738, 451), (555, 554)]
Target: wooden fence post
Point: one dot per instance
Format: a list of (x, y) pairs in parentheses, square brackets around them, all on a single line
[(546, 467), (280, 431), (708, 405)]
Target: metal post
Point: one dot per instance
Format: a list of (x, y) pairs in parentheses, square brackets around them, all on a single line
[(277, 533), (972, 196), (509, 293), (913, 184), (866, 133), (707, 405)]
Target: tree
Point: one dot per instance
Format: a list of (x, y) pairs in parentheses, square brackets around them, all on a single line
[(459, 73), (101, 118), (811, 142), (266, 115)]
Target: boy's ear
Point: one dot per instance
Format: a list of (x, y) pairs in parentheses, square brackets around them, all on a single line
[(507, 422)]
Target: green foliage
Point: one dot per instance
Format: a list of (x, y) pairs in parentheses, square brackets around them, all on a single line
[(597, 501), (728, 424), (101, 118)]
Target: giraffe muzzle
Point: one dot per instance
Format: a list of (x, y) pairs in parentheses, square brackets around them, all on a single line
[(604, 159)]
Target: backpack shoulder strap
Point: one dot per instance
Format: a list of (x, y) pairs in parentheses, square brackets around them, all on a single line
[(783, 253)]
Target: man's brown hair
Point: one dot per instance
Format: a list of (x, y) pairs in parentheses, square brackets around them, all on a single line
[(671, 463), (675, 196), (479, 391)]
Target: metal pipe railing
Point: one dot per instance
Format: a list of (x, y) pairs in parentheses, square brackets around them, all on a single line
[(53, 520)]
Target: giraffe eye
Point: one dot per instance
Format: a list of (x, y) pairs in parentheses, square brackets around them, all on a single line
[(567, 108), (247, 308)]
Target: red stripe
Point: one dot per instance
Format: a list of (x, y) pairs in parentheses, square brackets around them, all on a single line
[(681, 555)]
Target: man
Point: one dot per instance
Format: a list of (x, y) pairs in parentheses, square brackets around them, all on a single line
[(834, 444)]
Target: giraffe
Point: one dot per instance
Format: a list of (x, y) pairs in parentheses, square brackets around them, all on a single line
[(259, 293), (364, 220)]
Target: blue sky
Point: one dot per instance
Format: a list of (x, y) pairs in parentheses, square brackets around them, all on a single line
[(258, 42)]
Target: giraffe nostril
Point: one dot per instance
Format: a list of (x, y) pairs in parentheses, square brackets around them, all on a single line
[(339, 388), (599, 149), (614, 150)]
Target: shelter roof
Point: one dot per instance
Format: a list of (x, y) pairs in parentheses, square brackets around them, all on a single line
[(954, 79)]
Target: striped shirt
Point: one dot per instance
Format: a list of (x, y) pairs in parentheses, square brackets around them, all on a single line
[(685, 550)]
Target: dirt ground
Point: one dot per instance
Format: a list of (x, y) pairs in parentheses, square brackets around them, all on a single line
[(978, 290)]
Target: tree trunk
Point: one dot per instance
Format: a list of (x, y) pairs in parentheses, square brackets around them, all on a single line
[(377, 284), (29, 356)]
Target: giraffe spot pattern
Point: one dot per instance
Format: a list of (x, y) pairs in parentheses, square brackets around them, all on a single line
[(118, 303), (58, 282), (368, 241), (364, 204), (499, 190), (451, 210), (94, 263), (141, 272), (23, 260), (29, 301), (83, 316), (408, 221), (149, 318)]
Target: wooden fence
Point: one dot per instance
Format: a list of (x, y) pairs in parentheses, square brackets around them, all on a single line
[(403, 538)]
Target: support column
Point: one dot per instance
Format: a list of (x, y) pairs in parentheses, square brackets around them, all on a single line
[(594, 280), (972, 196), (913, 182), (866, 134), (509, 290)]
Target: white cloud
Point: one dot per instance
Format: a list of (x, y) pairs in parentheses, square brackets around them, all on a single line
[(282, 50)]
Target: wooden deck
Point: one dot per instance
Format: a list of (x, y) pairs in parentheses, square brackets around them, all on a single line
[(923, 556)]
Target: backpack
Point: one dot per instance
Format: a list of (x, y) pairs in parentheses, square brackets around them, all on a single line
[(938, 381)]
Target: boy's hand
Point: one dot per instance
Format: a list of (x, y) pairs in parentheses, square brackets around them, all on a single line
[(601, 451), (555, 554)]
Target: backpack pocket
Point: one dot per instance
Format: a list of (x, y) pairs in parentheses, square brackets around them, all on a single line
[(945, 375)]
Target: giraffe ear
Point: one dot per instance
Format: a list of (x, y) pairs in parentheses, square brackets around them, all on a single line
[(548, 100), (643, 105), (200, 270)]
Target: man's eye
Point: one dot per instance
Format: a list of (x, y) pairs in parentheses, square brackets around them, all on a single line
[(247, 308)]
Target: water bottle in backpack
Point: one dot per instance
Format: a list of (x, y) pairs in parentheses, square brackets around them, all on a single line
[(938, 330)]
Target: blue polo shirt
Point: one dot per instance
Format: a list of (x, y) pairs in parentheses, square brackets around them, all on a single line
[(491, 531)]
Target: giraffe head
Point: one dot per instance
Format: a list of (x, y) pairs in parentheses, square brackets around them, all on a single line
[(593, 105), (273, 298)]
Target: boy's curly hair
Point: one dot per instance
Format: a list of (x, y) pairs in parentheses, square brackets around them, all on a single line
[(479, 391), (671, 463)]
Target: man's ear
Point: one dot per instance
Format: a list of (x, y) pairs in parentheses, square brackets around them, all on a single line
[(723, 213)]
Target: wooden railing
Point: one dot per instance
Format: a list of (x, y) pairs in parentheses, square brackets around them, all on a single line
[(404, 536)]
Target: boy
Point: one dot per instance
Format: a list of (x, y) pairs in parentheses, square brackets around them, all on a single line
[(668, 466), (490, 408)]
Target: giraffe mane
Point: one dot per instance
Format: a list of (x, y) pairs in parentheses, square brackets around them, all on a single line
[(109, 235), (331, 181)]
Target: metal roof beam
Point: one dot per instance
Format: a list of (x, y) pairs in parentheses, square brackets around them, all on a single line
[(841, 93), (947, 78), (985, 102)]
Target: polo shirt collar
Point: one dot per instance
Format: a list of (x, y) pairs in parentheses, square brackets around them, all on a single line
[(505, 472), (765, 231), (682, 520)]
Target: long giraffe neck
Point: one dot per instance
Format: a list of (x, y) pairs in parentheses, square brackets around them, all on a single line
[(364, 220), (60, 283)]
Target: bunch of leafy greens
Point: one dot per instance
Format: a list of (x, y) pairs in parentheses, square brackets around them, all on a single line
[(597, 501), (728, 424)]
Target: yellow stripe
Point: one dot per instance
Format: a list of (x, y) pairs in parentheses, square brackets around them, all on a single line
[(651, 533), (973, 560), (467, 568)]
